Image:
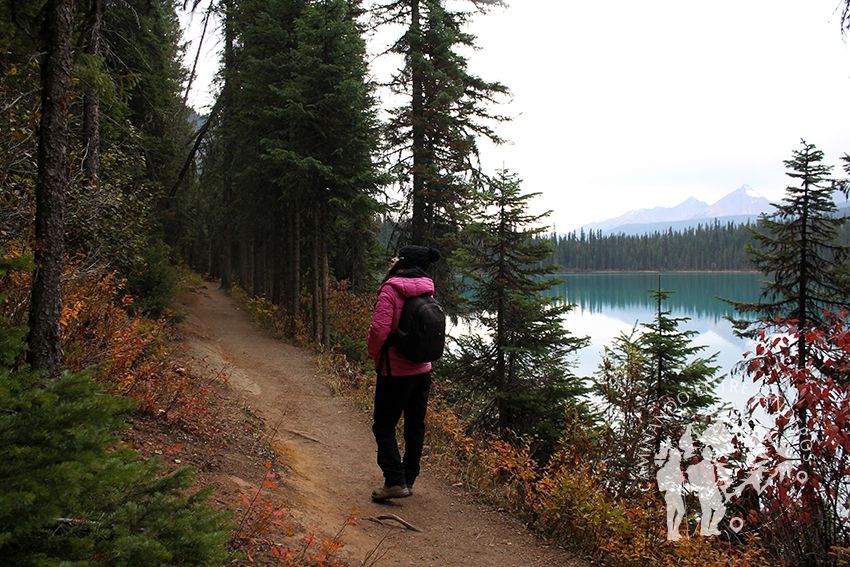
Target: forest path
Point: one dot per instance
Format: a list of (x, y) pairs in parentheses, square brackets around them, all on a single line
[(327, 445)]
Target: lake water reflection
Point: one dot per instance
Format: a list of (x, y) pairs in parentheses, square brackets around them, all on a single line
[(608, 304)]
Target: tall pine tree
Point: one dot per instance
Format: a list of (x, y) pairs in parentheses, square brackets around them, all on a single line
[(796, 246), (46, 302), (301, 128), (433, 136)]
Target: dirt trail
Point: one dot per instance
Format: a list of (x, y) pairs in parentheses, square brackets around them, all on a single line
[(327, 442)]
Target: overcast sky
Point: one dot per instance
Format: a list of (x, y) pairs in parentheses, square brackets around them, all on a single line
[(619, 104)]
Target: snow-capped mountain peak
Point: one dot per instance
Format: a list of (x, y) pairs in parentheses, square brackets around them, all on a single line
[(743, 201)]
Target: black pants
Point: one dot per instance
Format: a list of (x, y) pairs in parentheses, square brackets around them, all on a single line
[(394, 396)]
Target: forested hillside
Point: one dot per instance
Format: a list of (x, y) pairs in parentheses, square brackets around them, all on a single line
[(710, 247), (112, 191)]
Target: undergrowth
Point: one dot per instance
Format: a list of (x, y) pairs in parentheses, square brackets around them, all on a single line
[(133, 357), (264, 532), (72, 491), (140, 359)]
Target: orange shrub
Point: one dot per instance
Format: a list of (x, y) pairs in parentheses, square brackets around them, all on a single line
[(135, 356), (571, 506)]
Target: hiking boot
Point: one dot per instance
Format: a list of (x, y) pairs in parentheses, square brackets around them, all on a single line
[(387, 492)]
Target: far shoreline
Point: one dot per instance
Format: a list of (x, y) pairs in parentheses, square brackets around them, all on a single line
[(574, 272)]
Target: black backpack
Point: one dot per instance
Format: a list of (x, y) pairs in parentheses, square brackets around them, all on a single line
[(421, 332)]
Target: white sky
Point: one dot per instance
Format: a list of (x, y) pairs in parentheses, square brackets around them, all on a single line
[(620, 104)]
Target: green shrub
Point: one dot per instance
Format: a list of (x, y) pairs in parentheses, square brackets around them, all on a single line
[(153, 282), (71, 495)]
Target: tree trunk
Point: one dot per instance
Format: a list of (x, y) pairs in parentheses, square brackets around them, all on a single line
[(49, 251), (252, 259), (317, 337), (326, 307), (259, 265), (91, 100), (805, 436), (296, 261), (288, 292), (227, 180), (417, 120), (243, 261), (277, 263), (226, 265), (502, 383)]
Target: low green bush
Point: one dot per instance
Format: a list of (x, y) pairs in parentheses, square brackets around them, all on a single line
[(70, 494)]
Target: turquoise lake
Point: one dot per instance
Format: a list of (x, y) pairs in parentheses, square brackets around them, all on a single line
[(608, 304)]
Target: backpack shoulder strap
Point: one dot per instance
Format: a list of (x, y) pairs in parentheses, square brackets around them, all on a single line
[(385, 356)]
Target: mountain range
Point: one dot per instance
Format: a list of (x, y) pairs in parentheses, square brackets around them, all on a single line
[(739, 206)]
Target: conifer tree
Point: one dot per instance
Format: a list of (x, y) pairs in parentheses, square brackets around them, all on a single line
[(433, 137), (305, 132), (797, 247), (108, 222), (91, 98), (142, 51), (331, 123), (799, 323), (674, 372), (229, 143), (517, 379), (652, 385)]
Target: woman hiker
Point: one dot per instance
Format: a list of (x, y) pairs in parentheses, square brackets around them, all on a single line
[(402, 386)]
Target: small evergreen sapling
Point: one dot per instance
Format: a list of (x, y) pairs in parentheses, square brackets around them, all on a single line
[(652, 385)]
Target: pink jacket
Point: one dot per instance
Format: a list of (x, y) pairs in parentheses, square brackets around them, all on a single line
[(391, 296)]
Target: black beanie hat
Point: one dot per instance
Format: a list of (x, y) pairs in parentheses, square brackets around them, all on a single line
[(417, 256)]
